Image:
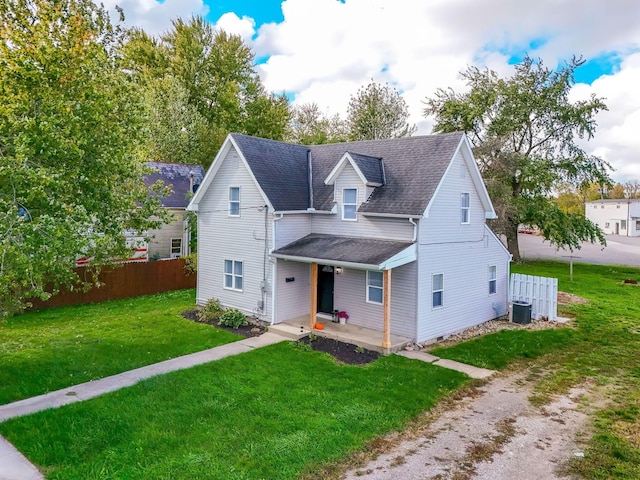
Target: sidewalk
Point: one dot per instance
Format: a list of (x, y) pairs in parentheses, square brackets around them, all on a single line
[(14, 466)]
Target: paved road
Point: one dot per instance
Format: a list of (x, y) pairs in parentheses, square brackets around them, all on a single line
[(619, 250)]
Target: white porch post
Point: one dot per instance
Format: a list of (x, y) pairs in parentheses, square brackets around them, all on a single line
[(386, 302), (314, 295)]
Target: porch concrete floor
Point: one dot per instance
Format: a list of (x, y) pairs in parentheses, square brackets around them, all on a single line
[(348, 333)]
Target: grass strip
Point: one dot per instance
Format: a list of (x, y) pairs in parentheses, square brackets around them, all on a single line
[(274, 413), (51, 349)]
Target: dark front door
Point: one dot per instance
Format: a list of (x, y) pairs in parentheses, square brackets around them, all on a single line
[(325, 289)]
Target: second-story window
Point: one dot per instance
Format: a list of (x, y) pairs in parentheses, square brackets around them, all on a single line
[(464, 208), (234, 201), (349, 203)]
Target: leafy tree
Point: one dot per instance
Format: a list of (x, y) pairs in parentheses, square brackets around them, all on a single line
[(569, 200), (617, 191), (376, 112), (70, 181), (632, 188), (524, 130), (217, 76), (309, 126)]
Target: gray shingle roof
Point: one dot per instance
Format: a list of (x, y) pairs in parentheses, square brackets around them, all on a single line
[(280, 168), (371, 167), (413, 168), (333, 248), (178, 176)]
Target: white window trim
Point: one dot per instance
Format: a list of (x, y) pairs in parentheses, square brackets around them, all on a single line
[(433, 290), (232, 274), (354, 219), (467, 208), (175, 255), (233, 201), (493, 279), (375, 286)]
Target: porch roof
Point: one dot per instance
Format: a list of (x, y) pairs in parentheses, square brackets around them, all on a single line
[(351, 252)]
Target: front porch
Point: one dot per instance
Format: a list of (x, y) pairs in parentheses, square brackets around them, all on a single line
[(348, 333)]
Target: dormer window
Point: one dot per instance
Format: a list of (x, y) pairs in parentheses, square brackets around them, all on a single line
[(349, 203), (234, 201)]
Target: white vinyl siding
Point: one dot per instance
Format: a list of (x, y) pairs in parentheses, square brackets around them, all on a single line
[(493, 279), (160, 239), (293, 296), (437, 290), (349, 204), (234, 201), (464, 208), (375, 282), (349, 296), (243, 238), (233, 276)]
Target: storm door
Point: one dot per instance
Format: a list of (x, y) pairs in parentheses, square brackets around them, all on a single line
[(325, 289)]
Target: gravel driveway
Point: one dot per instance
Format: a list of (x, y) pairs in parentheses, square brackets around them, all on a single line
[(495, 435)]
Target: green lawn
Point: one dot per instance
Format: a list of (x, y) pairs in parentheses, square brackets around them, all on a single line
[(275, 413), (604, 346), (52, 349)]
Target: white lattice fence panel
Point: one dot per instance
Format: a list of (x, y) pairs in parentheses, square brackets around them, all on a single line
[(541, 292)]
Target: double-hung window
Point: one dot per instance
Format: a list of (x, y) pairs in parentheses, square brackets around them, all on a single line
[(464, 208), (349, 203), (176, 247), (437, 290), (234, 201), (493, 279), (233, 275), (374, 286)]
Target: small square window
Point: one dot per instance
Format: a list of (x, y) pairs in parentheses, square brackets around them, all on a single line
[(349, 203), (375, 281), (464, 208), (234, 201), (437, 290)]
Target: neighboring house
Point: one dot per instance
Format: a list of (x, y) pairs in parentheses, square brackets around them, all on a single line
[(615, 216), (392, 232), (172, 240)]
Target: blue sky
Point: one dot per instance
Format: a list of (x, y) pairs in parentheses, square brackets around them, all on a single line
[(322, 51)]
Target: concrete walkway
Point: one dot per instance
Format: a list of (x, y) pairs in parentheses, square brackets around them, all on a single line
[(473, 372), (15, 466)]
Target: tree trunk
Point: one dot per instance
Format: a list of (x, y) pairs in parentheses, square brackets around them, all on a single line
[(512, 242)]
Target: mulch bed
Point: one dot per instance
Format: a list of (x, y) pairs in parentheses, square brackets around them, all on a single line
[(343, 352), (250, 330)]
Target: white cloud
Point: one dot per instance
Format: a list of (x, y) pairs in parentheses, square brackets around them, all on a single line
[(324, 50), (155, 17)]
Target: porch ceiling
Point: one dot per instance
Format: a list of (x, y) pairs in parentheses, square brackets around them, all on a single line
[(353, 252)]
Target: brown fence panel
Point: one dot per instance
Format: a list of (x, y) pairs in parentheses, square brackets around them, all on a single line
[(125, 281)]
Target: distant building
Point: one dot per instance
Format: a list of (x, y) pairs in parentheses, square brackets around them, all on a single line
[(619, 216)]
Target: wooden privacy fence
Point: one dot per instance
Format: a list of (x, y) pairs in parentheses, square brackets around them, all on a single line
[(541, 292), (125, 281)]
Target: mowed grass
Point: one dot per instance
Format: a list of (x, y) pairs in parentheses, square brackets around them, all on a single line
[(52, 349), (273, 413), (604, 348)]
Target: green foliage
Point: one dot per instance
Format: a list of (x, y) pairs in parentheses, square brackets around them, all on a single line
[(273, 413), (524, 131), (232, 318), (201, 84), (211, 311), (376, 112), (51, 349), (69, 129), (309, 126)]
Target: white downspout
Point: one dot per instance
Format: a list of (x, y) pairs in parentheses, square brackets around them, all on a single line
[(274, 270), (415, 229)]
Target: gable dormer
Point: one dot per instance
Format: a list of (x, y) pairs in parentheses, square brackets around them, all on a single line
[(354, 178)]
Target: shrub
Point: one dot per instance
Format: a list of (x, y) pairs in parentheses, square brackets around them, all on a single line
[(211, 311), (232, 318)]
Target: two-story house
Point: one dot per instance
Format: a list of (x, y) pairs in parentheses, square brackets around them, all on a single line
[(619, 216), (392, 232)]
